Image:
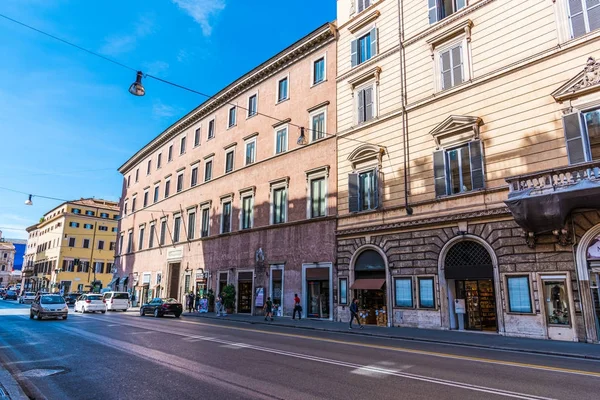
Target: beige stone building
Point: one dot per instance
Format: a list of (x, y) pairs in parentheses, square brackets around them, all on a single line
[(471, 203), (7, 261), (226, 195)]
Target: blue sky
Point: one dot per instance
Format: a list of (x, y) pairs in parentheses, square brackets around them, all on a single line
[(67, 121)]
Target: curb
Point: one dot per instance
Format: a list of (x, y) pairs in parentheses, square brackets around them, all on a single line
[(411, 338)]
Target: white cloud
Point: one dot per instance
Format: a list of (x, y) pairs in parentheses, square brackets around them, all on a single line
[(202, 11), (161, 110), (119, 44), (182, 55), (156, 67)]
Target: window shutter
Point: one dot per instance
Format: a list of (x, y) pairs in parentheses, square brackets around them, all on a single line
[(376, 179), (457, 65), (353, 192), (368, 104), (361, 106), (577, 18), (354, 51), (439, 173), (593, 13), (373, 36), (446, 69), (477, 176), (575, 137), (433, 14)]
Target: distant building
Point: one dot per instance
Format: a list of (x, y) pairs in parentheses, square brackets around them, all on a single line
[(20, 247), (7, 257)]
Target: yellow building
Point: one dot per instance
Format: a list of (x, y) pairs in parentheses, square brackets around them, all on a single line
[(75, 246)]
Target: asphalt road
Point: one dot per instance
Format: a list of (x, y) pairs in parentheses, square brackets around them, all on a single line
[(124, 356)]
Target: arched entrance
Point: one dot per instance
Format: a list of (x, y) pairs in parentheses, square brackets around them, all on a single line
[(469, 275), (370, 285), (588, 275)]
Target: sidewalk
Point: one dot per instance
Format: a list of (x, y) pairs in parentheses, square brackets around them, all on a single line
[(480, 340)]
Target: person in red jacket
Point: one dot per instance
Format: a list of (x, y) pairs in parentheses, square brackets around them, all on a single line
[(297, 307)]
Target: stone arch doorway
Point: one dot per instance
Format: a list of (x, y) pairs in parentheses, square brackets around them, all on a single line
[(587, 257), (470, 286), (370, 284)]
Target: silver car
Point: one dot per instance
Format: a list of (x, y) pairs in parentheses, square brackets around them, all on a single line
[(27, 297), (48, 306)]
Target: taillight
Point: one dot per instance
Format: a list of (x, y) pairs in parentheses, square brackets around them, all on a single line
[(88, 301), (165, 306), (104, 301)]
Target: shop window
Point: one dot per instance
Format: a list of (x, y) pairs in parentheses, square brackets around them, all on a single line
[(317, 284), (343, 291), (277, 287), (519, 297), (426, 293), (582, 135), (404, 292), (557, 307)]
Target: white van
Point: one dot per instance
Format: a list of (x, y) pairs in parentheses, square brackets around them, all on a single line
[(116, 301)]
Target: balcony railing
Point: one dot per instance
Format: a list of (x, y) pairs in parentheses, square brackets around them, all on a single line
[(556, 178)]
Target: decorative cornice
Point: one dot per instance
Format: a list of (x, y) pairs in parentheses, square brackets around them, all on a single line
[(463, 28), (282, 122), (323, 35), (364, 21), (323, 104), (366, 76), (585, 82), (426, 221)]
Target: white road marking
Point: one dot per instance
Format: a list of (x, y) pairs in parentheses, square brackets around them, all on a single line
[(40, 373)]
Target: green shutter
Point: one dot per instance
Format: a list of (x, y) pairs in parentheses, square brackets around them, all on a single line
[(439, 173), (353, 192), (476, 155), (576, 139)]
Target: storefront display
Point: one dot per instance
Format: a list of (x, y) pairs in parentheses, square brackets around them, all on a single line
[(480, 303), (557, 308), (244, 294)]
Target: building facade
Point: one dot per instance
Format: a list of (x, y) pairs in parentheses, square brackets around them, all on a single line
[(227, 195), (72, 247), (7, 260), (472, 206)]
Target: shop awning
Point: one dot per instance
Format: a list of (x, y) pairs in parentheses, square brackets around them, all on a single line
[(368, 284)]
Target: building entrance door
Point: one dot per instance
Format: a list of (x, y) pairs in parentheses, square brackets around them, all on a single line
[(317, 293), (245, 292), (480, 303), (173, 287)]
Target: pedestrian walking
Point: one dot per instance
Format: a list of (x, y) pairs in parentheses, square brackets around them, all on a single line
[(297, 307), (191, 302), (354, 313), (219, 305), (268, 309)]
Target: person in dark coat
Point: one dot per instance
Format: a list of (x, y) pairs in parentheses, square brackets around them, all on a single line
[(191, 302), (354, 313)]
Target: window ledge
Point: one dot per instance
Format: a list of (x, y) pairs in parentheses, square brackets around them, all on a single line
[(253, 135), (282, 122), (457, 30), (281, 101), (318, 83), (251, 116), (366, 76), (320, 105), (368, 18)]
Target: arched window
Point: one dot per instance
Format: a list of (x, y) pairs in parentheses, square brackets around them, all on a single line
[(468, 260)]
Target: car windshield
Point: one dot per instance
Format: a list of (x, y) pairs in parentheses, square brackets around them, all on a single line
[(11, 292), (52, 300), (121, 296), (96, 297), (29, 294), (169, 300)]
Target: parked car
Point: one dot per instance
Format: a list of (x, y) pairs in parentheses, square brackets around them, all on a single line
[(10, 295), (160, 307), (26, 297), (48, 306), (116, 301), (90, 303), (71, 298)]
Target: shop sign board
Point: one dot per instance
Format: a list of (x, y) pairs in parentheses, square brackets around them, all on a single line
[(260, 297), (459, 306)]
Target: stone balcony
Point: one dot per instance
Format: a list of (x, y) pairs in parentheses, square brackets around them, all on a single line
[(541, 201)]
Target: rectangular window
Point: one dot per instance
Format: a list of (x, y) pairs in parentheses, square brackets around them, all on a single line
[(121, 244), (156, 192), (232, 116), (179, 183), (205, 222), (103, 215), (343, 291), (362, 4), (182, 146), (158, 160), (519, 297), (584, 16), (226, 218), (282, 90), (281, 141), (86, 243), (458, 170), (176, 229), (556, 302), (133, 204), (88, 226), (167, 188), (191, 225), (426, 293), (148, 167), (151, 238), (74, 224), (125, 208), (71, 242), (114, 229), (317, 198), (76, 211), (403, 292), (363, 48), (319, 71), (318, 126), (130, 241), (145, 199), (365, 104), (137, 174), (451, 67), (211, 129), (250, 152), (208, 171), (90, 213), (252, 105), (141, 238), (163, 232), (194, 180), (128, 181), (170, 155), (582, 136), (197, 134), (247, 211), (363, 191), (279, 205), (103, 228), (440, 9), (229, 161), (111, 246)]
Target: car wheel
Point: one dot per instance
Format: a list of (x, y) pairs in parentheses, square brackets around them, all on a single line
[(31, 316), (142, 312), (65, 317), (156, 314), (103, 312), (177, 315)]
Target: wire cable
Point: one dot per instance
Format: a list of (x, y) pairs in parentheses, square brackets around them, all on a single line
[(33, 195)]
